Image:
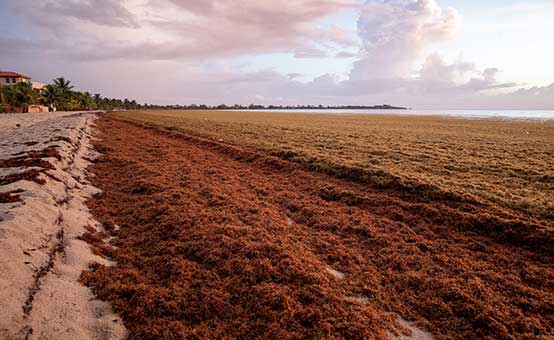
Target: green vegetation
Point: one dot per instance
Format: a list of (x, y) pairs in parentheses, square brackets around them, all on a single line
[(17, 97), (59, 95)]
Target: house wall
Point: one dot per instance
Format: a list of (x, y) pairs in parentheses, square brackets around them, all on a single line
[(37, 108), (4, 80)]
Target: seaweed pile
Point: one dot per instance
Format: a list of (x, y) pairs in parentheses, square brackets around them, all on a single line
[(214, 245)]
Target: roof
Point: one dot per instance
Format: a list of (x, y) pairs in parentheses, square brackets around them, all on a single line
[(13, 75)]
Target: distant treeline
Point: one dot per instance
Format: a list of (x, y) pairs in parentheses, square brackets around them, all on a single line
[(272, 107), (60, 96)]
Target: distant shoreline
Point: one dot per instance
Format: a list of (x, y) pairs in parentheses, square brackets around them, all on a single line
[(319, 107), (530, 115)]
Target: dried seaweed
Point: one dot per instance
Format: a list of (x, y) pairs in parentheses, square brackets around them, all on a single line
[(213, 245), (28, 175), (10, 196)]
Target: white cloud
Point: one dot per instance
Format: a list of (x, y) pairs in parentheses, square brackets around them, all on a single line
[(394, 33)]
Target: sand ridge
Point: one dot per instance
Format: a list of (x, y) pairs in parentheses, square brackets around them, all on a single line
[(42, 257)]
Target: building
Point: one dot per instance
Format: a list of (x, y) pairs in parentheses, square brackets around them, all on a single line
[(11, 78), (37, 108), (39, 87)]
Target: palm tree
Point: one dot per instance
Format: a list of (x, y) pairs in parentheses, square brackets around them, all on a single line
[(64, 88), (3, 103), (86, 101), (51, 95), (98, 100), (63, 84), (23, 96)]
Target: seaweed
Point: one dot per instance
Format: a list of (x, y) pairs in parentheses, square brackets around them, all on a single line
[(27, 175), (10, 196), (210, 258)]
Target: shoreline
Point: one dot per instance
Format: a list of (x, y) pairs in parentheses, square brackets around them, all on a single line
[(418, 113), (406, 113)]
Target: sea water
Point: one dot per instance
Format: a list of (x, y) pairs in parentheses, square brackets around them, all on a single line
[(502, 114)]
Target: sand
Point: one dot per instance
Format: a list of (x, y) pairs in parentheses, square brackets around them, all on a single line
[(41, 255)]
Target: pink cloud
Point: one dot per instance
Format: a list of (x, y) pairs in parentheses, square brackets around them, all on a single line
[(101, 12), (246, 26), (177, 51), (181, 30)]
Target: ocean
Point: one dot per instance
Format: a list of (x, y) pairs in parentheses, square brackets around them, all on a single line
[(502, 114)]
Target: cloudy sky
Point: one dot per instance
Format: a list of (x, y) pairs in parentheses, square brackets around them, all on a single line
[(462, 54)]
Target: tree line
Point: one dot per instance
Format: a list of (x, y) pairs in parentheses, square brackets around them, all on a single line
[(274, 107), (59, 96)]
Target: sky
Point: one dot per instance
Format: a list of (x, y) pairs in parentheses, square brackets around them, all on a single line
[(427, 54)]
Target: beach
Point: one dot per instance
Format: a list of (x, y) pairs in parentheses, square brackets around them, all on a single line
[(218, 225), (262, 170), (43, 188)]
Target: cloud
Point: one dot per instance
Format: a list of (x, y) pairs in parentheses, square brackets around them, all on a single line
[(53, 13), (177, 51), (459, 77), (184, 30), (435, 69), (266, 15), (16, 46), (345, 54), (250, 27), (338, 35), (310, 53), (537, 97), (394, 32)]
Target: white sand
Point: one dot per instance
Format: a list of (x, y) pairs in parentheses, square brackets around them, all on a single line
[(40, 257), (406, 331), (415, 333), (335, 273)]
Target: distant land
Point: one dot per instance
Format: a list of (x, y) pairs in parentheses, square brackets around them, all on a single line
[(264, 107), (321, 107), (289, 107)]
